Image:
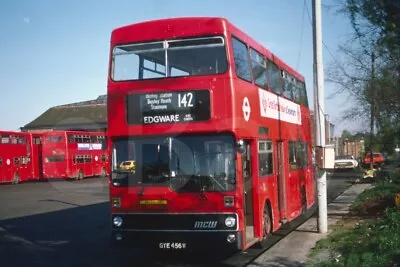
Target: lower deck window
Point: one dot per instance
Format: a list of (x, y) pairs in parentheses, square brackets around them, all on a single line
[(59, 158), (25, 160), (17, 161), (265, 158), (81, 159), (298, 155)]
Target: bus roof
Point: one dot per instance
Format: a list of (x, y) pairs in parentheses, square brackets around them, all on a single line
[(180, 27), (58, 132), (168, 28)]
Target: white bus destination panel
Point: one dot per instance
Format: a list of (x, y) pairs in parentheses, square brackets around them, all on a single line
[(168, 107)]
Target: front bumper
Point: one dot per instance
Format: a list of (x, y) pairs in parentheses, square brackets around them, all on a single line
[(178, 241), (344, 167), (177, 231)]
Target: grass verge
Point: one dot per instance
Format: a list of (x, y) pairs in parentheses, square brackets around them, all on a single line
[(369, 235)]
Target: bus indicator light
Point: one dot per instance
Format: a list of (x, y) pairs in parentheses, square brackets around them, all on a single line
[(229, 201)]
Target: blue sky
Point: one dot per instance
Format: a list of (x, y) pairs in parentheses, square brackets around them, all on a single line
[(56, 52)]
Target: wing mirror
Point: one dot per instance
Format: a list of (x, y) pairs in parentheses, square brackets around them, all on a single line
[(241, 147)]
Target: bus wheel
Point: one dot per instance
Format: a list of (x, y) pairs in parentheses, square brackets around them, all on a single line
[(103, 173), (267, 222), (16, 179), (80, 175)]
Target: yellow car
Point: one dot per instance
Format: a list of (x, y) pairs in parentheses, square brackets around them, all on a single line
[(128, 165)]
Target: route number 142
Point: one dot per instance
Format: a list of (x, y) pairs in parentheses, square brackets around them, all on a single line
[(185, 100)]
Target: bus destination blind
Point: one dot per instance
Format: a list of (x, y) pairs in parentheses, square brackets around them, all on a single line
[(168, 107)]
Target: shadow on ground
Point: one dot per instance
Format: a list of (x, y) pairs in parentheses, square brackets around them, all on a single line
[(279, 262), (79, 236)]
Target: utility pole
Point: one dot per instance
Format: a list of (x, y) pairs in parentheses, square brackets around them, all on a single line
[(372, 88), (328, 124), (319, 115)]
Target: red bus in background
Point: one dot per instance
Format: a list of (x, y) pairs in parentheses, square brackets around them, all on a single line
[(216, 131), (15, 157), (74, 154)]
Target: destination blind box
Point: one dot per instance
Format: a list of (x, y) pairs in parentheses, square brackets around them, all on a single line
[(168, 107)]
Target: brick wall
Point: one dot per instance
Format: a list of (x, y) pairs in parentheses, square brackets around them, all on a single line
[(355, 148)]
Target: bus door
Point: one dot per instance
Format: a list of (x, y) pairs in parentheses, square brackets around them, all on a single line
[(294, 182), (248, 192), (36, 157), (96, 149), (2, 163), (281, 180), (89, 163)]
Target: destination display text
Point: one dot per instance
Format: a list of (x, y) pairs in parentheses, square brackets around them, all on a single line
[(168, 107)]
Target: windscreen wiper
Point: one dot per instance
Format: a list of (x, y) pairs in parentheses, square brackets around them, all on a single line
[(202, 188), (202, 195)]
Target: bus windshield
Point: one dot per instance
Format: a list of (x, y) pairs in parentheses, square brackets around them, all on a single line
[(184, 163), (173, 58)]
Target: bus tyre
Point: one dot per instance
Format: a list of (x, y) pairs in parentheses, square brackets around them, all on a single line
[(80, 175), (103, 173), (267, 222), (16, 179)]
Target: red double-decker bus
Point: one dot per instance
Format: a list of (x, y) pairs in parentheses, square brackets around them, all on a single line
[(209, 135), (74, 154), (16, 164)]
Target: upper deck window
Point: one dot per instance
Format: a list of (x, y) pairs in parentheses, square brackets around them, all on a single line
[(242, 63), (53, 139), (303, 94), (173, 58), (5, 139), (259, 67), (274, 77), (288, 83), (12, 139)]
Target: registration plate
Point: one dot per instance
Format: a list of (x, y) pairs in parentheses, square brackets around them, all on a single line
[(172, 245)]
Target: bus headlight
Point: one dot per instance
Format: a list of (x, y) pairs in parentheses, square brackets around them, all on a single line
[(117, 221), (230, 222)]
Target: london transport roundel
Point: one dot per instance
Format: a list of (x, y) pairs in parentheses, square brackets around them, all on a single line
[(96, 158), (246, 109), (8, 162)]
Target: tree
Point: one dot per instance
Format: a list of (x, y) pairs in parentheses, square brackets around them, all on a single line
[(368, 66), (377, 20), (346, 134)]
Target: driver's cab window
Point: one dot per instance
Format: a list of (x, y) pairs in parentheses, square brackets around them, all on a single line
[(219, 160)]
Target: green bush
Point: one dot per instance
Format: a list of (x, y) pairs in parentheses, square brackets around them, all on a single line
[(369, 244), (379, 197)]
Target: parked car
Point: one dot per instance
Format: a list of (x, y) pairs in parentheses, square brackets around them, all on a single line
[(346, 162), (128, 165), (378, 160)]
